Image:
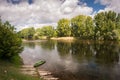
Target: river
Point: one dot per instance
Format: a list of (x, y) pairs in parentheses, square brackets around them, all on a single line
[(78, 60)]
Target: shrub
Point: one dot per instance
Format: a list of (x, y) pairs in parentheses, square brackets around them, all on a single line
[(10, 43)]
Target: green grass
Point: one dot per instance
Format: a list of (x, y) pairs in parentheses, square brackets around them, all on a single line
[(9, 71)]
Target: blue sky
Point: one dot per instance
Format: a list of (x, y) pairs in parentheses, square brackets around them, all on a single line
[(96, 6), (38, 13)]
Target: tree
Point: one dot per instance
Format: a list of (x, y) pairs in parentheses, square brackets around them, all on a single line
[(47, 31), (89, 28), (63, 28), (82, 27), (78, 25), (118, 21), (27, 33), (10, 43), (105, 26)]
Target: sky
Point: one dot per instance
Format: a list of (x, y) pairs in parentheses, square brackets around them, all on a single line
[(39, 13)]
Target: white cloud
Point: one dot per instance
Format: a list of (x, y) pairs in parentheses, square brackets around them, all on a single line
[(36, 25), (110, 5), (41, 11)]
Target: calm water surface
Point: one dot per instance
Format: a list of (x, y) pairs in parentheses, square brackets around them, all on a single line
[(79, 60)]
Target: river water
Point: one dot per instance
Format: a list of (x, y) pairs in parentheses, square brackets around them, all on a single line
[(78, 60)]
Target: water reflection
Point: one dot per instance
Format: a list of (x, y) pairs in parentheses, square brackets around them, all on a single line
[(48, 45), (79, 60), (107, 53), (82, 50), (29, 45), (102, 53), (63, 48)]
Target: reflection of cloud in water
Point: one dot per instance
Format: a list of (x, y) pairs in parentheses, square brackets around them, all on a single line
[(54, 62), (70, 65), (30, 56)]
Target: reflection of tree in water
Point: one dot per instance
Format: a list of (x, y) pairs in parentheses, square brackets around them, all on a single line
[(101, 53), (29, 44), (82, 50), (96, 54), (48, 45), (63, 48), (106, 52)]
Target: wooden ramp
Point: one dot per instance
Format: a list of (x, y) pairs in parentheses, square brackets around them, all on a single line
[(30, 70)]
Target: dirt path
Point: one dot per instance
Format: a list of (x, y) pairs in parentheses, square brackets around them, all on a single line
[(30, 70)]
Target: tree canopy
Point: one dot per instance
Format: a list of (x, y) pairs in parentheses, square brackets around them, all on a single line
[(82, 27), (63, 28), (27, 33), (106, 26), (47, 31)]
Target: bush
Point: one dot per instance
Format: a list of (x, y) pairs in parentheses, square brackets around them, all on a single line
[(10, 43)]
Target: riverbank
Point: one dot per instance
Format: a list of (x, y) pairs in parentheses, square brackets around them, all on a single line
[(63, 38), (23, 40), (9, 71), (68, 39), (45, 75)]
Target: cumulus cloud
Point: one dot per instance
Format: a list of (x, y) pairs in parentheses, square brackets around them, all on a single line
[(41, 12), (110, 5)]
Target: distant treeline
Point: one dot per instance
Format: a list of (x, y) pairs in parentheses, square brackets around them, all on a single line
[(104, 26)]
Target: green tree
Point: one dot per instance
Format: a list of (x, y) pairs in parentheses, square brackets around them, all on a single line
[(78, 25), (10, 43), (47, 31), (118, 21), (27, 33), (63, 28), (82, 27), (117, 31), (39, 33), (89, 28), (105, 26)]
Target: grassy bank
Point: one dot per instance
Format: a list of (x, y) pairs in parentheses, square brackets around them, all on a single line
[(9, 71)]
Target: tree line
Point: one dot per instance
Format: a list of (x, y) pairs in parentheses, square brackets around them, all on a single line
[(104, 26)]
